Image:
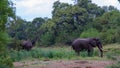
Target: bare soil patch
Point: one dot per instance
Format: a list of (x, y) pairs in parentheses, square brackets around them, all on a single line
[(64, 64)]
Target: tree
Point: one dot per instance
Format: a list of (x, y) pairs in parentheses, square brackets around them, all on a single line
[(37, 22), (33, 31), (17, 29), (47, 33), (119, 0), (108, 26), (5, 12), (69, 22), (110, 8)]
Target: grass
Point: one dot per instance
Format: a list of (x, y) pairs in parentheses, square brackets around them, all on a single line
[(113, 52), (40, 53), (55, 53), (46, 53)]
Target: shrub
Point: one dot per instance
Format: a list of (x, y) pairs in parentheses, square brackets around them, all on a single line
[(14, 44), (108, 36), (50, 53), (47, 39), (5, 60), (89, 33)]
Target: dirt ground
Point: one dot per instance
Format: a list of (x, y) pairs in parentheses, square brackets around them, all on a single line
[(64, 64)]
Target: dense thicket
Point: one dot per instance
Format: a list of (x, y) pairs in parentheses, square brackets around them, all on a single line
[(5, 13), (83, 19)]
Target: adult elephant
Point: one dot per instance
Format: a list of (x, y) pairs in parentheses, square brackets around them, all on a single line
[(27, 44), (86, 44)]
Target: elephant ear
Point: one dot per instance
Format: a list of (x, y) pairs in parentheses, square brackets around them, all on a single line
[(92, 42)]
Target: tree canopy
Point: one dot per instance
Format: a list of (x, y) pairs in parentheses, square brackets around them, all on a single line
[(83, 19)]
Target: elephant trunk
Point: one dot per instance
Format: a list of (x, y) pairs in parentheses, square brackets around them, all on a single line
[(33, 43), (101, 51)]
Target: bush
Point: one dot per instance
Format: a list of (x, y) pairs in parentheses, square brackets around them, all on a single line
[(117, 35), (5, 60), (50, 53), (47, 39), (89, 33), (108, 36), (41, 53), (14, 45)]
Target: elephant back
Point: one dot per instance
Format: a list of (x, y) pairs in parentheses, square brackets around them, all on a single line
[(80, 41)]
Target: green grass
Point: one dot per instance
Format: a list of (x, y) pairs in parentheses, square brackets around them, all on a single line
[(40, 53), (49, 53), (113, 52), (114, 66), (56, 53)]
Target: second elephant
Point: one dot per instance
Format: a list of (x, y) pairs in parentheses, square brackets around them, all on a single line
[(27, 44)]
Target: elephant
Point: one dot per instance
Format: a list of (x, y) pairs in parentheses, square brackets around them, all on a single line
[(27, 44), (87, 44)]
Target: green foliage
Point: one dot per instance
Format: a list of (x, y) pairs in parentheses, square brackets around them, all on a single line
[(3, 38), (90, 33), (117, 35), (49, 53), (42, 53), (17, 30), (47, 38), (112, 52), (83, 19), (108, 26), (49, 24), (63, 37), (5, 60), (117, 65), (5, 12), (14, 44), (108, 36)]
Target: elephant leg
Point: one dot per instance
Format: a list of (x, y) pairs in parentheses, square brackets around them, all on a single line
[(90, 52), (28, 49), (23, 47), (78, 53), (101, 52)]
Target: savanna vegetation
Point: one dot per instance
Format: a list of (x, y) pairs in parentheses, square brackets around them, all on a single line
[(83, 19), (6, 11), (111, 52), (69, 21), (56, 53)]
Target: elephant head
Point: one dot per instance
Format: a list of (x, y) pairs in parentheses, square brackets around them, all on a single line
[(96, 42)]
